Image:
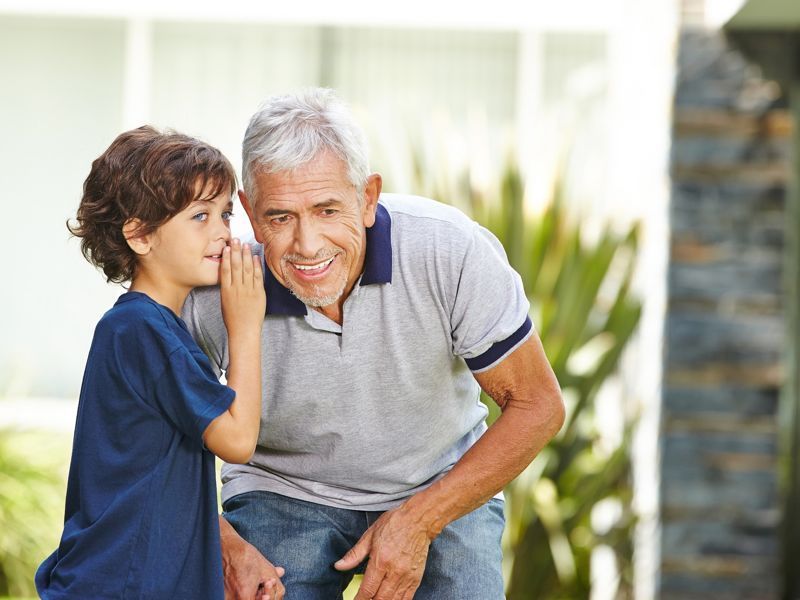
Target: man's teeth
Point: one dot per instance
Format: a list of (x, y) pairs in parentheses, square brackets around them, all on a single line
[(321, 265)]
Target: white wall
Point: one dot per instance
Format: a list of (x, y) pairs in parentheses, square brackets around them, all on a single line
[(60, 98), (71, 84)]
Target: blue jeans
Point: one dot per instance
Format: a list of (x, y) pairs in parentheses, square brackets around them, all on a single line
[(464, 561)]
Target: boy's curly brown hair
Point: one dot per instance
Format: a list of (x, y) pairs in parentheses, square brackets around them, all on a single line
[(146, 175)]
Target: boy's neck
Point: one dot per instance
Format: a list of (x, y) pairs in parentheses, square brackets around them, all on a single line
[(168, 295)]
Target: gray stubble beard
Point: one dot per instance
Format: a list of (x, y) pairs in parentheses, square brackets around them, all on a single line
[(316, 299)]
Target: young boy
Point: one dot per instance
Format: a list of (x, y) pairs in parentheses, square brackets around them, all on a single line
[(141, 506)]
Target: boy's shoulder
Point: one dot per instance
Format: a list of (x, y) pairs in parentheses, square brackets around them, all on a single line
[(134, 308), (139, 318)]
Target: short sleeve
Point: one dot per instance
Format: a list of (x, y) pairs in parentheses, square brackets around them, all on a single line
[(189, 394), (489, 317)]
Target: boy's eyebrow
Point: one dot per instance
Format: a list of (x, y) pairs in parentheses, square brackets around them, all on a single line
[(228, 204)]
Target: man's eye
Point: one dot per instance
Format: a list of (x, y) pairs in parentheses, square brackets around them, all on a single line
[(203, 216), (329, 212), (280, 220)]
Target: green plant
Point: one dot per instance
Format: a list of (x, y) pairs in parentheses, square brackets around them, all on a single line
[(31, 505), (585, 314)]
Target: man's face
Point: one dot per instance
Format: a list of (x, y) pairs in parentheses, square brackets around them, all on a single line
[(313, 227)]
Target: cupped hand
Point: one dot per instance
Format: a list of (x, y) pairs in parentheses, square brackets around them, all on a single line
[(241, 283)]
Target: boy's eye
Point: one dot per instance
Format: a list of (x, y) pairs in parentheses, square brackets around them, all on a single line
[(200, 216), (226, 215)]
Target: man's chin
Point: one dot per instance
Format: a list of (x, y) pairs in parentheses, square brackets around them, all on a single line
[(317, 298), (317, 301)]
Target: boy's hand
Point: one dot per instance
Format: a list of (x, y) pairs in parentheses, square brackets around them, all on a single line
[(241, 289), (233, 435)]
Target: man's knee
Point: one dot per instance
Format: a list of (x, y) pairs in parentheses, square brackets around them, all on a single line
[(465, 560)]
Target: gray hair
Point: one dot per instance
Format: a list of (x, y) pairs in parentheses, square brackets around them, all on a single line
[(288, 131)]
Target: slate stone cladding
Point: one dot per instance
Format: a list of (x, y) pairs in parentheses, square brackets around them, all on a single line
[(725, 329)]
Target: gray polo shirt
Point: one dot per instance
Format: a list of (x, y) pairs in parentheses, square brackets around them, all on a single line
[(365, 414)]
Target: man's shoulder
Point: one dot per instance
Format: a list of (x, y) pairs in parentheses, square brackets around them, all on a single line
[(423, 217), (205, 296), (203, 311)]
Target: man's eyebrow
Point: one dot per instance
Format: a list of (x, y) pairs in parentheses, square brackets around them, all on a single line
[(273, 212), (327, 203)]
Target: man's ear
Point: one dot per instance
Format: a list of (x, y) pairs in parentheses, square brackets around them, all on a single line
[(249, 210), (372, 191), (137, 242)]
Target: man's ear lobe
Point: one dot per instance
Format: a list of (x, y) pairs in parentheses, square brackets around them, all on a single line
[(245, 202), (372, 192), (248, 209), (137, 242)]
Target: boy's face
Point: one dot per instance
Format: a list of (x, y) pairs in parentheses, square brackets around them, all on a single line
[(186, 251)]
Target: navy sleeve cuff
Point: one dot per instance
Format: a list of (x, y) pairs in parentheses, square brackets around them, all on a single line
[(499, 349)]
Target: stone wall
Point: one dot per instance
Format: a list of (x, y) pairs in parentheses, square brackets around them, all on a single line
[(725, 330)]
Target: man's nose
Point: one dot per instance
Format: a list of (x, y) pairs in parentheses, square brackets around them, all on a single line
[(308, 241)]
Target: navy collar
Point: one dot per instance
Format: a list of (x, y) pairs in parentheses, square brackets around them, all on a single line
[(377, 268)]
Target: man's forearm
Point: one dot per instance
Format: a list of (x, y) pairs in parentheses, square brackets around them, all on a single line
[(527, 391), (501, 454)]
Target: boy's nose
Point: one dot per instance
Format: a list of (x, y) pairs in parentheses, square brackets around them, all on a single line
[(223, 231)]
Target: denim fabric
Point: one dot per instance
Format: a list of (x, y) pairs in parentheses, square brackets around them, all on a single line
[(464, 561)]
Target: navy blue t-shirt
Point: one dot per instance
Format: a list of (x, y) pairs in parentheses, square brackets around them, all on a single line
[(141, 508)]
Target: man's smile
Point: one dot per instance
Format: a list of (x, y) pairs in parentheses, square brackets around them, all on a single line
[(311, 271), (315, 267)]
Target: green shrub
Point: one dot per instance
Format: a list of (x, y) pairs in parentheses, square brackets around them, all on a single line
[(585, 314), (32, 469)]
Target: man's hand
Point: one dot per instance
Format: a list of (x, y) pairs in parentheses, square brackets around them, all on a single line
[(248, 575), (525, 388), (397, 546)]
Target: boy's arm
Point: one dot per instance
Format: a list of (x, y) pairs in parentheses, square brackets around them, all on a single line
[(233, 435)]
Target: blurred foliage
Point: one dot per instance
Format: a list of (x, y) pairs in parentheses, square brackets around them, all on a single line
[(576, 496), (32, 482)]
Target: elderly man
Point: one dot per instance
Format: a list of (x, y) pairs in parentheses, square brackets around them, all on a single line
[(385, 316)]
